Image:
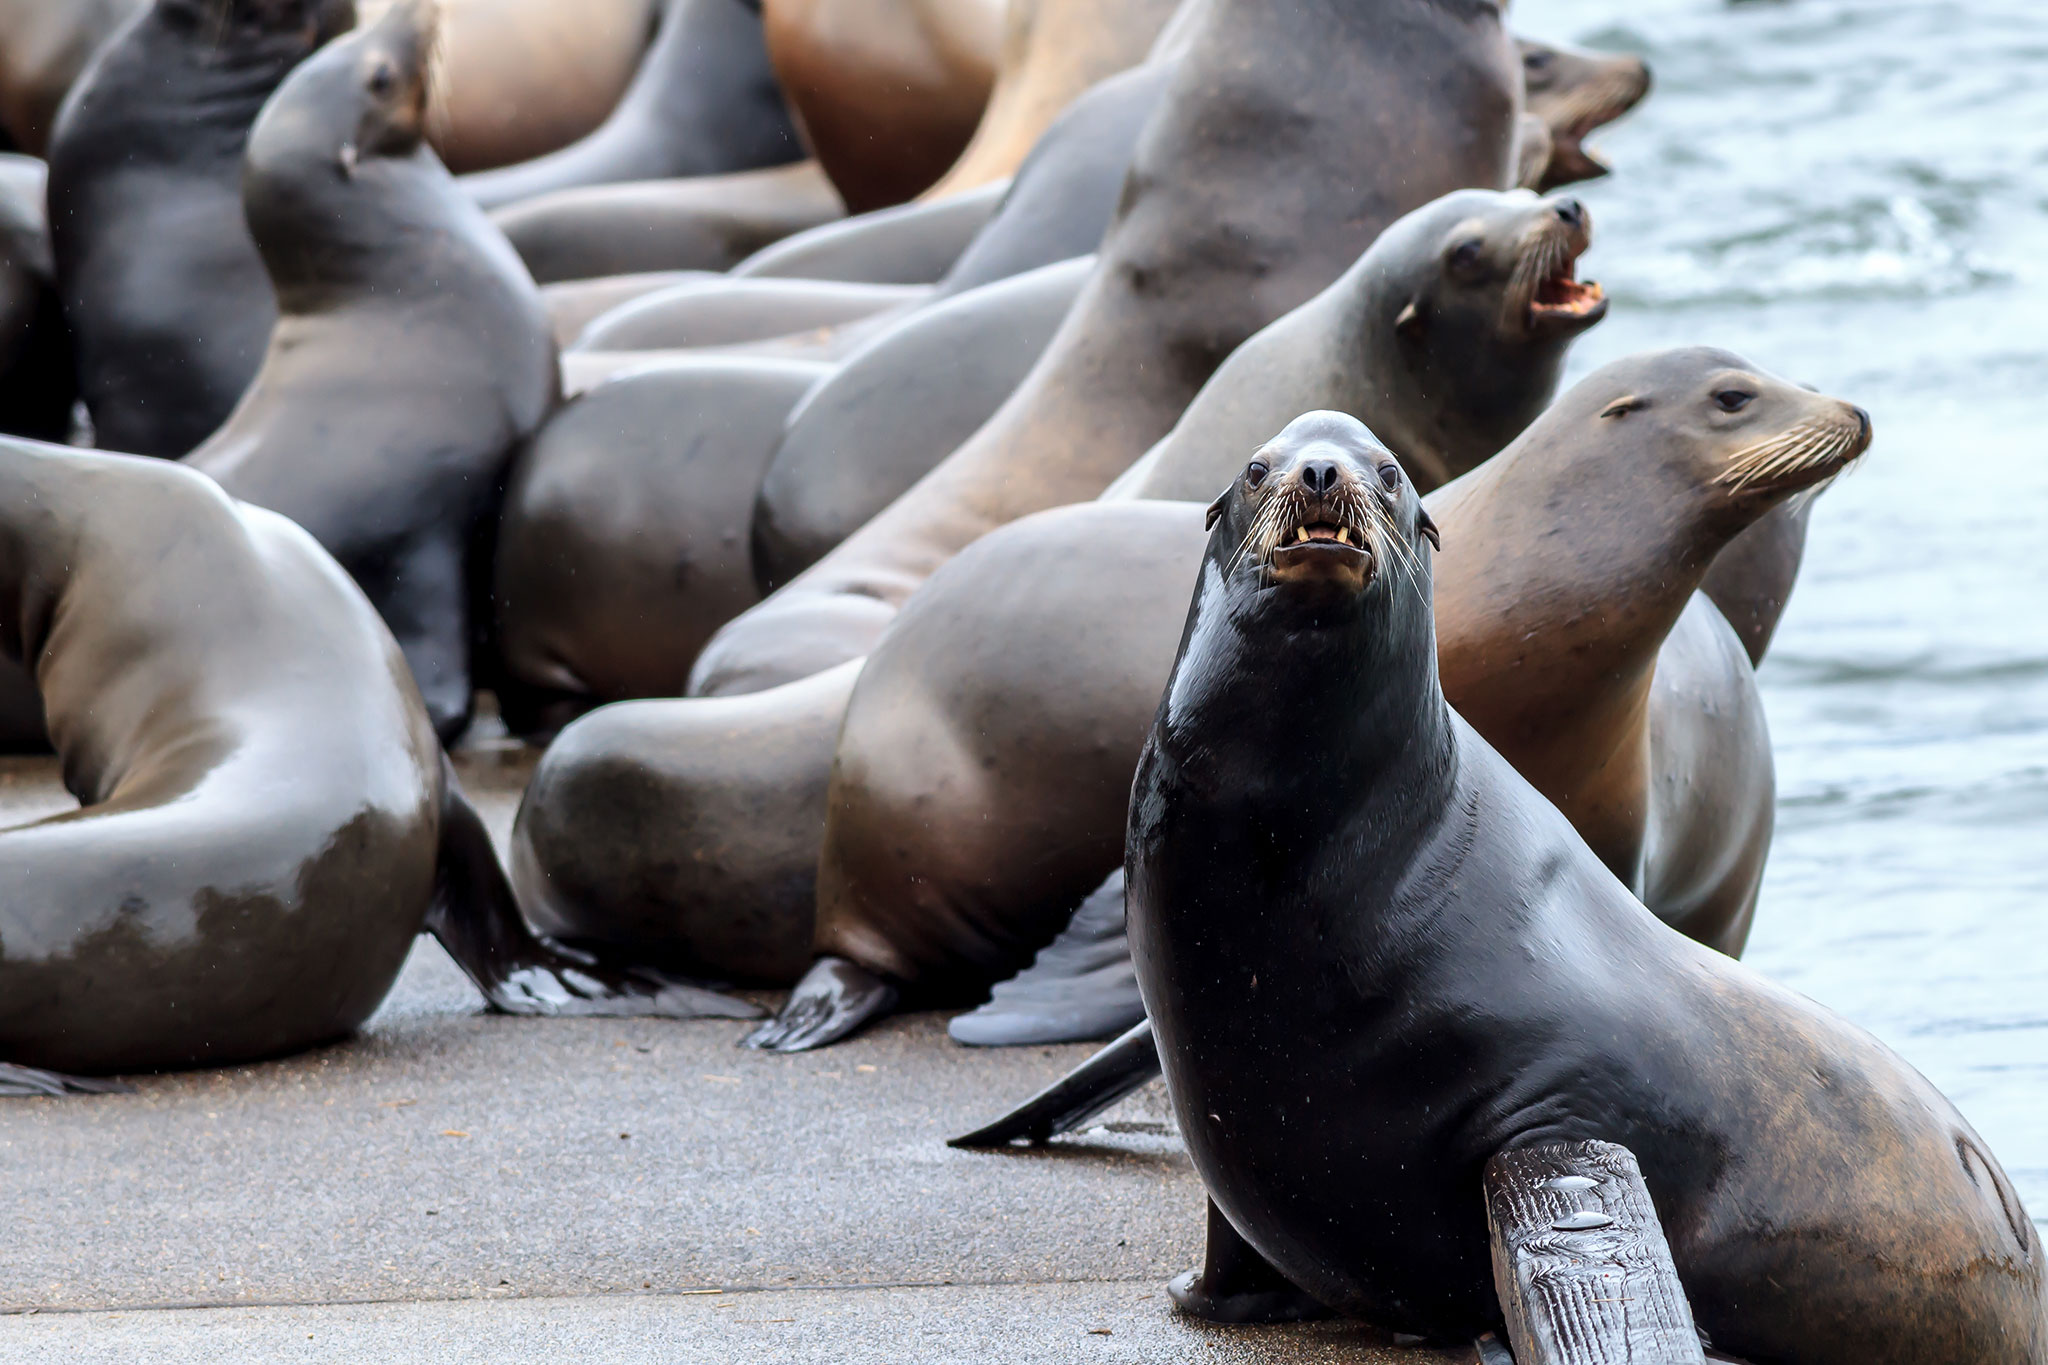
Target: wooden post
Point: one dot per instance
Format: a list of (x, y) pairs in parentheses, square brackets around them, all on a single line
[(1580, 1261)]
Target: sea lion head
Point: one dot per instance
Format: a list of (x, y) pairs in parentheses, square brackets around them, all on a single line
[(1481, 291), (1322, 520), (1575, 92), (1711, 422), (362, 96)]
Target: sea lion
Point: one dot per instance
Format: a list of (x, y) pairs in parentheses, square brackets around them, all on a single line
[(956, 845), (1327, 866), (267, 821), (887, 91), (1575, 92), (44, 47), (1291, 133), (905, 244), (896, 407), (38, 381), (517, 79), (704, 102), (1053, 51), (707, 222), (721, 310), (411, 356), (574, 304), (623, 540), (686, 831), (167, 299)]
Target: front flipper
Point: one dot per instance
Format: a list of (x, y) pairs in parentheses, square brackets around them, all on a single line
[(521, 972), (1580, 1261), (1237, 1285), (1081, 988), (24, 1082), (1078, 1096), (834, 998)]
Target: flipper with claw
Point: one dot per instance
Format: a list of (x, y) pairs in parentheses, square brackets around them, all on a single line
[(834, 998), (521, 972), (1080, 1095), (1081, 989)]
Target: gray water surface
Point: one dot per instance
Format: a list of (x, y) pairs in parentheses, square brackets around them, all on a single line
[(1854, 194)]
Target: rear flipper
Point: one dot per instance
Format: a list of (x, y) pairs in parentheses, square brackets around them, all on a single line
[(521, 972), (1080, 1095), (1751, 579), (22, 1082), (1081, 988), (834, 998), (1236, 1284)]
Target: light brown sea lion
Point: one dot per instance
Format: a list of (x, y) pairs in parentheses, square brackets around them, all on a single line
[(704, 102), (623, 540), (1290, 135), (266, 822), (887, 91), (1378, 960), (44, 44), (1052, 51), (1587, 658), (517, 79)]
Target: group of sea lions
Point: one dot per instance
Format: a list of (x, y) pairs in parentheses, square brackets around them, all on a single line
[(800, 417)]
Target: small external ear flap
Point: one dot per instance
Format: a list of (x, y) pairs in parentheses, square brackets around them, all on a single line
[(1216, 511), (1409, 322), (1428, 528)]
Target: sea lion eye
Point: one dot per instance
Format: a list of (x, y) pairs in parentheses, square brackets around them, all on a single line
[(1465, 254), (1733, 400), (1390, 475), (382, 78), (1255, 473)]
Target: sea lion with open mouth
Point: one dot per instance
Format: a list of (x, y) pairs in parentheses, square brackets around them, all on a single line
[(1575, 92), (1377, 959), (266, 821)]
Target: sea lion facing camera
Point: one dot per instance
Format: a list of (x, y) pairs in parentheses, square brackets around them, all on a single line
[(267, 822), (165, 293), (703, 103), (411, 356), (1328, 867), (1291, 133), (956, 844)]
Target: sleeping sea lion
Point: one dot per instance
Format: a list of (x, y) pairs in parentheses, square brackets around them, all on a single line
[(167, 299), (1376, 959), (1291, 133), (411, 356), (704, 102), (266, 822)]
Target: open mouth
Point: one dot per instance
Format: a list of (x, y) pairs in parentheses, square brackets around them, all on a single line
[(1323, 548), (1564, 297)]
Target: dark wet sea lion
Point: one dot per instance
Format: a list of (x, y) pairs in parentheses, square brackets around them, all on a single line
[(906, 244), (956, 844), (411, 355), (1255, 184), (1330, 871), (44, 47), (267, 821), (166, 296), (898, 406), (38, 380), (887, 91), (1053, 51), (709, 222), (517, 79), (686, 831), (1575, 92), (1450, 333), (623, 542), (723, 310), (704, 102)]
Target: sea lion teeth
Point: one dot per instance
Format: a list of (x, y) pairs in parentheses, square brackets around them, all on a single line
[(1344, 535)]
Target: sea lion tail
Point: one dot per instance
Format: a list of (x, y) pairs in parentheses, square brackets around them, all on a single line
[(1080, 1095), (521, 972)]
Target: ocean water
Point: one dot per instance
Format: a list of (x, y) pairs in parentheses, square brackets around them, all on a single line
[(1854, 194)]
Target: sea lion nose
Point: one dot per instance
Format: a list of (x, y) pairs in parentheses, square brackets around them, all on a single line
[(1319, 476), (1862, 424), (1571, 212)]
